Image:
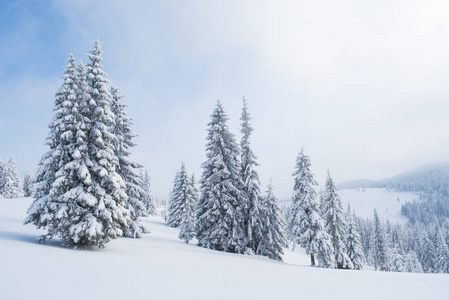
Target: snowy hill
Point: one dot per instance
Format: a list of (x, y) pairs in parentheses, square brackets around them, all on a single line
[(159, 266), (387, 203)]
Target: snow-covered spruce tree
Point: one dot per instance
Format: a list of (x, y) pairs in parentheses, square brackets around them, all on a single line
[(149, 201), (127, 169), (222, 204), (273, 230), (253, 215), (397, 238), (397, 263), (353, 243), (174, 212), (187, 226), (366, 236), (183, 195), (28, 184), (411, 263), (11, 182), (335, 223), (84, 203), (305, 223), (441, 251), (381, 251), (188, 208), (424, 248)]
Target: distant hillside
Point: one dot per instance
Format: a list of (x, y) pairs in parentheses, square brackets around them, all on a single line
[(429, 179)]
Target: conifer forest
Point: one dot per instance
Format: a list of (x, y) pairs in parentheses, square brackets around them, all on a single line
[(242, 150)]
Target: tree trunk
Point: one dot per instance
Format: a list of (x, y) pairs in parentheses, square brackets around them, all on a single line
[(312, 259)]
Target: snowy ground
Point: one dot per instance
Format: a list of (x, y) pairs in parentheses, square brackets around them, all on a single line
[(363, 201), (159, 266)]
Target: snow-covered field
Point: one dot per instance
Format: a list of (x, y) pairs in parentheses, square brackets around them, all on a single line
[(159, 266), (363, 201)]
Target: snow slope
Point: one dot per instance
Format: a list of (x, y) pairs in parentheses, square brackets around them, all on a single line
[(159, 266), (363, 201)]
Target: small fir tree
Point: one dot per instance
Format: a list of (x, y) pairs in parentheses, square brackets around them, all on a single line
[(28, 184), (11, 182), (273, 228), (188, 217), (353, 242), (381, 251), (220, 215)]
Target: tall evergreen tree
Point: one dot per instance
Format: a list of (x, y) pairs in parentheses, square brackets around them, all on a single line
[(354, 244), (28, 184), (335, 223), (128, 169), (253, 222), (305, 223), (273, 241), (84, 201), (381, 254), (11, 182), (221, 207)]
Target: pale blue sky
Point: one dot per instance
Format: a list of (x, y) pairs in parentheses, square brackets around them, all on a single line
[(361, 85)]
